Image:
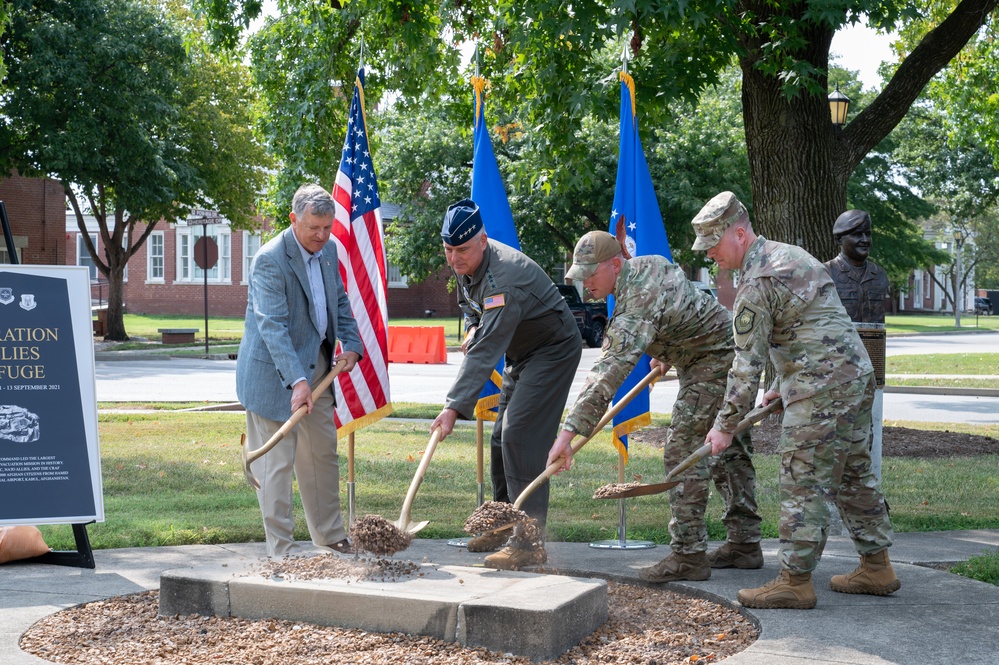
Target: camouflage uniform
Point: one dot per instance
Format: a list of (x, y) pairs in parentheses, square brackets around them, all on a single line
[(659, 312), (518, 312), (787, 306)]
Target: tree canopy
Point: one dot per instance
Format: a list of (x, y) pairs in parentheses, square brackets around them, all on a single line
[(553, 68), (137, 130)]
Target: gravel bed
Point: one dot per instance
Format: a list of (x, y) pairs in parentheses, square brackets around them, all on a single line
[(646, 625)]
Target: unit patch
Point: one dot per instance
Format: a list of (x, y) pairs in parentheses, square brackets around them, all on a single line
[(744, 320)]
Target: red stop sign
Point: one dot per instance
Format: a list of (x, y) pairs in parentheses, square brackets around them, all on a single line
[(206, 253)]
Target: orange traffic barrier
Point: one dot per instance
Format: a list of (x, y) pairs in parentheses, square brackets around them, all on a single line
[(417, 344)]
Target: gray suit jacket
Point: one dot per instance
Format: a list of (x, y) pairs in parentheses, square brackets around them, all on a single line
[(280, 337)]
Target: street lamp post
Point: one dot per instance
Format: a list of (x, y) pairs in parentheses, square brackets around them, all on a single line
[(958, 299)]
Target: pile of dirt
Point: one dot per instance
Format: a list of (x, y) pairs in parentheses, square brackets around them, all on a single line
[(895, 441)]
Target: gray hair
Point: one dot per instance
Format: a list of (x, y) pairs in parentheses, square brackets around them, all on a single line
[(314, 199)]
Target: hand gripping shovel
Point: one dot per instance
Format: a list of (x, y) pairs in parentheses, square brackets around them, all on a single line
[(250, 457), (557, 464), (404, 523), (751, 419)]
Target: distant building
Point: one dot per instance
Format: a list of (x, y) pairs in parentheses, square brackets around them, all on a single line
[(164, 278), (36, 211)]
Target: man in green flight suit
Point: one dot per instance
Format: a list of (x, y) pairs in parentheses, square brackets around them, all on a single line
[(787, 308), (511, 307), (659, 312)]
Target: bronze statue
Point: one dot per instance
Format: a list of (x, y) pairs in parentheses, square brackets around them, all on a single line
[(862, 284)]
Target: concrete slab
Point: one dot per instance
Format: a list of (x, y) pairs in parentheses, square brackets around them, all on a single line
[(528, 614)]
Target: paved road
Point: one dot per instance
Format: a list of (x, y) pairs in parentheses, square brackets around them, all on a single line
[(214, 381)]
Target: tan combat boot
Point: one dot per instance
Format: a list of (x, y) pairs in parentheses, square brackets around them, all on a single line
[(788, 592), (678, 567), (488, 542), (515, 558), (873, 576), (737, 555)]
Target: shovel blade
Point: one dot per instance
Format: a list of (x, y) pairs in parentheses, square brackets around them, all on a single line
[(641, 490), (250, 478), (410, 527)]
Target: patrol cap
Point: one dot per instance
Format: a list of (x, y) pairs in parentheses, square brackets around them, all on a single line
[(591, 250), (717, 215), (461, 222), (850, 220)]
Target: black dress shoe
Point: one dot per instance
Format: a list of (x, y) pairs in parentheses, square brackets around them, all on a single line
[(343, 547)]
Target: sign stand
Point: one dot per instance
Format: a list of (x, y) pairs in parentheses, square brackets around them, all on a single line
[(83, 557)]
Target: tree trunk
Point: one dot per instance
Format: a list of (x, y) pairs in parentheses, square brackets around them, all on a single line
[(116, 305), (797, 164)]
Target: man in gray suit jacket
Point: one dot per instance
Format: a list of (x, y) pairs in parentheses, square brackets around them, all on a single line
[(296, 310)]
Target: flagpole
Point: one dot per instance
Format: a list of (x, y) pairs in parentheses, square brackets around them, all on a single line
[(360, 57), (622, 543)]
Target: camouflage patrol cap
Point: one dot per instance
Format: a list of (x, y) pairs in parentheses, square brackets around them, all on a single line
[(848, 221), (717, 215), (461, 222), (591, 250)]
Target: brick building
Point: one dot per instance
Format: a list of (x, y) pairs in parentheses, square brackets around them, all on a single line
[(163, 277), (36, 209)]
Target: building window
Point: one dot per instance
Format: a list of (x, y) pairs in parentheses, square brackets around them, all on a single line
[(917, 289), (187, 269), (83, 256), (396, 280), (154, 257), (927, 283), (20, 242), (251, 245)]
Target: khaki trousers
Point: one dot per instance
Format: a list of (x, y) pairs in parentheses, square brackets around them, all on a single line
[(310, 452)]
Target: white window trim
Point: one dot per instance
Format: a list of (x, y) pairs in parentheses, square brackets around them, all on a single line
[(150, 279), (193, 232), (245, 278), (401, 283)]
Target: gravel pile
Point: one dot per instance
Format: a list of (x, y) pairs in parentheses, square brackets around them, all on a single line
[(611, 490), (646, 626), (375, 534), (493, 515), (332, 567)]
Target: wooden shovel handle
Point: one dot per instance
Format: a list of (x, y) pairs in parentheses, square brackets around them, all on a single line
[(751, 419), (299, 413), (613, 411), (421, 470)]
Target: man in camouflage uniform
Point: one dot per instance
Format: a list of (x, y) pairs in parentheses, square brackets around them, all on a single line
[(511, 307), (786, 305), (659, 312)]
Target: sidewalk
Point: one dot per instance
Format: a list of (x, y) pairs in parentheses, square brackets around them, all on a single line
[(935, 618)]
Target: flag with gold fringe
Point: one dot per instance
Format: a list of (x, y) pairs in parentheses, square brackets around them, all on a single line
[(638, 224), (490, 195), (362, 396)]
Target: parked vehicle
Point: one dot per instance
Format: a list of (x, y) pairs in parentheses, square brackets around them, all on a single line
[(591, 317), (983, 305)]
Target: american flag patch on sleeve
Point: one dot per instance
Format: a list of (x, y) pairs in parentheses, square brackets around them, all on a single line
[(493, 301)]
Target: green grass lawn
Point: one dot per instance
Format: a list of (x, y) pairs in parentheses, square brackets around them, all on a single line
[(937, 323), (177, 478)]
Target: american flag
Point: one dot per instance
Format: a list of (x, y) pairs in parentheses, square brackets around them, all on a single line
[(362, 395)]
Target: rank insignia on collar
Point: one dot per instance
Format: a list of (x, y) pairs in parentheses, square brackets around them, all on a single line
[(745, 320)]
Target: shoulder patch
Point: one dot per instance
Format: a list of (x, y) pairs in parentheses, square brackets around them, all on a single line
[(492, 302), (744, 320)]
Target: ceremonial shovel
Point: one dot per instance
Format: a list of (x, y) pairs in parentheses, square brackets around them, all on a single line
[(250, 457), (404, 523), (754, 417), (557, 464)]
